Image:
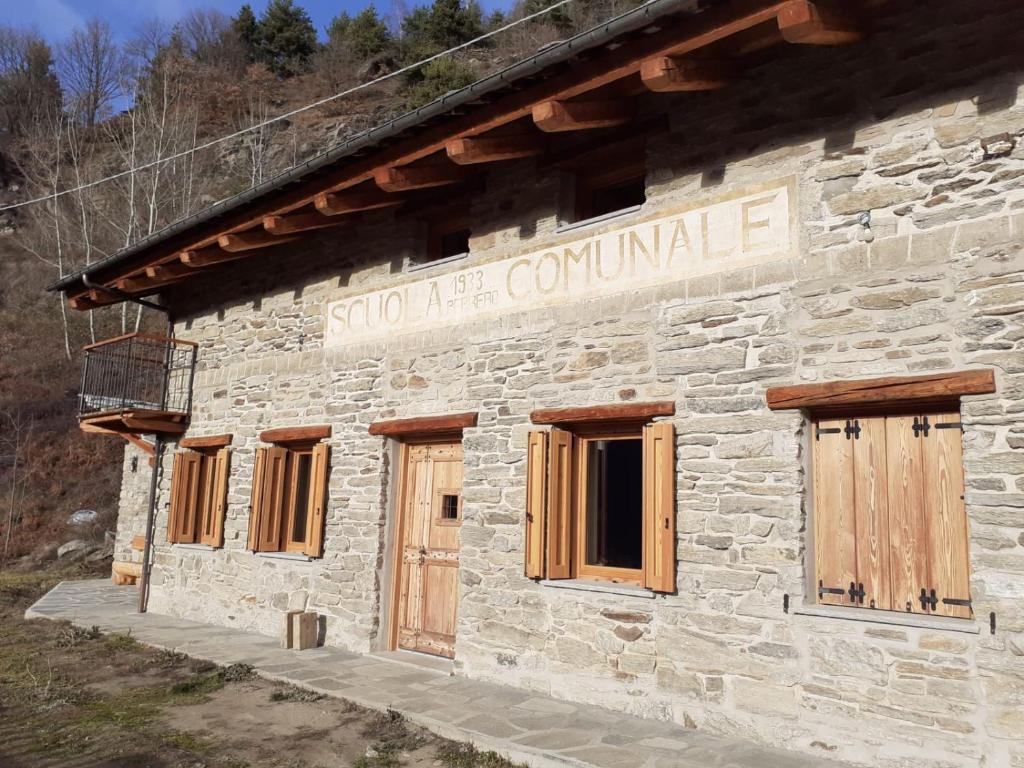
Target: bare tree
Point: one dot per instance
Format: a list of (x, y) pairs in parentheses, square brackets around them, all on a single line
[(28, 86), (16, 431), (90, 65)]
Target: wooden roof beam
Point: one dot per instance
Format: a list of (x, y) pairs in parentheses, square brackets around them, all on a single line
[(667, 74), (819, 23), (470, 150), (405, 178), (207, 257), (236, 242), (558, 116), (352, 201), (297, 222)]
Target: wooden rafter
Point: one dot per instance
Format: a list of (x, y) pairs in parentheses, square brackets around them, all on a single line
[(297, 222), (352, 201), (489, 149), (409, 177), (558, 116), (170, 271), (756, 22), (665, 74), (236, 242), (207, 257)]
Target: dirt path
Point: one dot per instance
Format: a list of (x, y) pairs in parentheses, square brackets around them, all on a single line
[(74, 698)]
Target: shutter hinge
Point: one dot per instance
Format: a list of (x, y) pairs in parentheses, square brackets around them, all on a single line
[(818, 432), (852, 428), (823, 590), (957, 601), (950, 425), (856, 593), (928, 600), (921, 425)]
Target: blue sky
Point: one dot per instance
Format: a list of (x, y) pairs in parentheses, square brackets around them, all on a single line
[(55, 18)]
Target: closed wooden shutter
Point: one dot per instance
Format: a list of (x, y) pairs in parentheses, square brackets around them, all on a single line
[(835, 545), (256, 504), (947, 532), (536, 503), (559, 498), (186, 502), (213, 526), (659, 494), (871, 514), (908, 517), (317, 500)]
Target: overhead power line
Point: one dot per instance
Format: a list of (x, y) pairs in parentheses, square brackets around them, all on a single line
[(286, 115)]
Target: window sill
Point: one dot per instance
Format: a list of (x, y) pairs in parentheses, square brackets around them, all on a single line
[(597, 219), (608, 588), (294, 557), (196, 547), (894, 618), (422, 265)]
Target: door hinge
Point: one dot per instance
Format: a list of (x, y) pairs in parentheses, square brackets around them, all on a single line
[(856, 593), (950, 425), (818, 432), (823, 590), (928, 600), (920, 426), (852, 429)]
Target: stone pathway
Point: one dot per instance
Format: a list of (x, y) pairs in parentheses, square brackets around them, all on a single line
[(524, 726)]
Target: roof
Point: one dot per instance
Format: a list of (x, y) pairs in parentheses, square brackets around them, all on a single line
[(490, 86)]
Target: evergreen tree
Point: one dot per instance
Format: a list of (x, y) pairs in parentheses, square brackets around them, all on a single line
[(559, 18), (439, 77), (286, 38), (367, 34), (451, 23), (337, 30), (247, 30)]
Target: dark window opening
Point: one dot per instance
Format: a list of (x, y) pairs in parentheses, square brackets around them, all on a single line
[(449, 506), (614, 517), (600, 196), (302, 465), (448, 239)]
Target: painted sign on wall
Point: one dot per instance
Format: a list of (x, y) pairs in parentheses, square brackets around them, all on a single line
[(747, 228)]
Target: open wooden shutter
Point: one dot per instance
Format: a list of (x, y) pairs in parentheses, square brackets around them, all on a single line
[(659, 496), (871, 513), (272, 500), (177, 499), (947, 531), (835, 545), (185, 504), (536, 503), (559, 498), (317, 500), (256, 502), (216, 508)]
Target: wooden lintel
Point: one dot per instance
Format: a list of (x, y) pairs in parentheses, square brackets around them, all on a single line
[(558, 116), (297, 222), (409, 177), (666, 74), (211, 441), (296, 434), (235, 242), (892, 390), (819, 23), (424, 425), (339, 203), (604, 413), (490, 149), (207, 257)]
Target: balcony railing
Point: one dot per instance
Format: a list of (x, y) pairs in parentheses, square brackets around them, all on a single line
[(137, 372)]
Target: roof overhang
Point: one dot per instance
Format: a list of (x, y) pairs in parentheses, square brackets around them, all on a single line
[(578, 85)]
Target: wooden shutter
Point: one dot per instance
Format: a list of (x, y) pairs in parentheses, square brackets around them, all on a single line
[(559, 497), (317, 500), (185, 504), (536, 503), (908, 517), (216, 510), (256, 503), (272, 500), (835, 548), (871, 513), (947, 531), (177, 499), (659, 495)]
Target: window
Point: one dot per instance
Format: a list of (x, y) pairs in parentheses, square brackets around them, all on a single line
[(890, 528), (603, 192), (447, 239), (289, 491), (601, 505), (450, 506), (199, 486)]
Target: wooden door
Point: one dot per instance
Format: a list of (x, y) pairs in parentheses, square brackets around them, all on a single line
[(429, 549)]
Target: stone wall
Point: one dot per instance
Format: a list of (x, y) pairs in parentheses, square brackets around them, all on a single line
[(133, 504), (908, 159)]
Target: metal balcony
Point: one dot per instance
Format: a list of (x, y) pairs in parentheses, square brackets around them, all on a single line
[(138, 383)]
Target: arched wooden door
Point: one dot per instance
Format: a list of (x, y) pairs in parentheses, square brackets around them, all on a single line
[(428, 550)]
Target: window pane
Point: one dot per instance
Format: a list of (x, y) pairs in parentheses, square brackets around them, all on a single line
[(449, 506), (615, 197), (454, 243), (615, 503), (303, 465)]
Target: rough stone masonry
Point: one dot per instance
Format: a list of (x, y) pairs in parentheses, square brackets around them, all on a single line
[(907, 156)]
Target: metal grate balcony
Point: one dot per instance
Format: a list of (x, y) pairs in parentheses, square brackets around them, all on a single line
[(137, 383)]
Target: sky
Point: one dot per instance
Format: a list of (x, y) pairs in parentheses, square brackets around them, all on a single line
[(54, 19)]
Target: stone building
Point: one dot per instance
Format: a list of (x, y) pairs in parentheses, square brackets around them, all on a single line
[(677, 370)]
